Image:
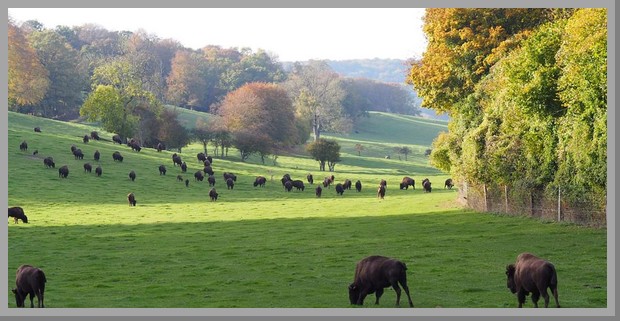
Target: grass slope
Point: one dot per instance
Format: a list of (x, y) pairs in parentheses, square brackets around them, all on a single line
[(264, 247)]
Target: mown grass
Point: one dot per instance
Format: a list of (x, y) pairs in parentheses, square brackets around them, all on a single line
[(264, 247)]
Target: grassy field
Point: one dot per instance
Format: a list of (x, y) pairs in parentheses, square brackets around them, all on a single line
[(264, 247)]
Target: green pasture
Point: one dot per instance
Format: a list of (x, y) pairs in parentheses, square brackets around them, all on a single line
[(264, 247)]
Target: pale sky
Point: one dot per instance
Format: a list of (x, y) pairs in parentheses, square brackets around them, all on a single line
[(291, 34)]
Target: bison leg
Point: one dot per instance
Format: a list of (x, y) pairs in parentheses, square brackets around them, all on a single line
[(360, 299), (32, 300), (397, 289), (406, 288), (521, 297), (554, 290), (378, 294), (535, 297)]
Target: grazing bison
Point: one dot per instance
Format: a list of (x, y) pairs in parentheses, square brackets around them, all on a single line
[(211, 180), (448, 184), (210, 159), (198, 176), (179, 178), (298, 184), (36, 151), (49, 162), (160, 147), (383, 183), (426, 184), (381, 192), (135, 146), (358, 185), (201, 157), (98, 170), (339, 189), (184, 167), (346, 184), (85, 139), (37, 130), (230, 184), (213, 194), (132, 199), (97, 155), (327, 182), (63, 172), (285, 178), (132, 176), (17, 213), (176, 160), (406, 182), (117, 156), (229, 175), (94, 135), (531, 274), (310, 179), (73, 148), (373, 274), (29, 280), (206, 163), (78, 154), (162, 170), (288, 186), (23, 146), (208, 170), (88, 168), (187, 183), (117, 139), (260, 181), (318, 191)]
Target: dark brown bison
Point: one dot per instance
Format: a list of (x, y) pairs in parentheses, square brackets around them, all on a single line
[(184, 167), (85, 139), (73, 148), (88, 168), (213, 194), (288, 186), (381, 192), (383, 183), (211, 180), (406, 182), (373, 274), (318, 191), (49, 162), (260, 181), (358, 185), (201, 157), (135, 146), (132, 176), (37, 130), (187, 183), (285, 178), (298, 184), (97, 155), (448, 184), (210, 159), (98, 170), (339, 189), (198, 176), (117, 156), (346, 184), (327, 182), (78, 154), (29, 280), (310, 179), (162, 170), (206, 163), (229, 175), (63, 172), (117, 139), (17, 213), (230, 184), (179, 178), (426, 184), (94, 135), (208, 170), (531, 274), (132, 199), (176, 160), (23, 146), (160, 147), (36, 151)]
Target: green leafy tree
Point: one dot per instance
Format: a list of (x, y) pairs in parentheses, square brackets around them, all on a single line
[(325, 151)]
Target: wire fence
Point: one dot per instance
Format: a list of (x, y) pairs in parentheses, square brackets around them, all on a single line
[(533, 203)]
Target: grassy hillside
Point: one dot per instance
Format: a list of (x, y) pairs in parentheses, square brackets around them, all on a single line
[(264, 247)]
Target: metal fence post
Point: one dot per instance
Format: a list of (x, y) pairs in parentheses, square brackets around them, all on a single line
[(559, 204)]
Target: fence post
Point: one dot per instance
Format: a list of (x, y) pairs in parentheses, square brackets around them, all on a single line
[(531, 203), (559, 204), (506, 197), (486, 206)]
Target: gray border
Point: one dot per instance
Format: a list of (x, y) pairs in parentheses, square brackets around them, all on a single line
[(327, 314)]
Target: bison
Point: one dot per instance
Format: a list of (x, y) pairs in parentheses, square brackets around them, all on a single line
[(531, 274), (201, 157), (260, 181), (310, 179), (358, 185), (49, 162), (298, 184), (97, 155), (230, 184), (117, 156), (381, 192), (98, 170), (187, 183), (285, 178), (383, 183), (210, 159), (78, 154), (85, 139), (448, 184), (426, 184), (230, 175), (88, 168), (213, 194), (162, 170), (132, 176), (29, 280), (288, 186), (73, 148), (132, 199), (198, 176), (208, 170), (117, 139), (160, 147), (63, 172), (179, 178), (17, 213), (36, 151), (406, 182), (94, 135), (346, 184), (23, 146), (327, 182), (339, 189), (318, 191), (373, 274), (37, 130), (211, 180), (176, 160), (184, 167)]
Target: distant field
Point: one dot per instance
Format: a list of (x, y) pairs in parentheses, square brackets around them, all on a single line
[(264, 247)]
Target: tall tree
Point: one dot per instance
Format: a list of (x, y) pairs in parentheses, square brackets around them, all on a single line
[(325, 151), (187, 80)]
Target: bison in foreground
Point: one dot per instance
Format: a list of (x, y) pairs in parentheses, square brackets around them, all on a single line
[(260, 181), (373, 274), (132, 199), (116, 156), (406, 182), (358, 186), (427, 185), (63, 172), (213, 194), (531, 274), (29, 280), (17, 213), (318, 191), (448, 184), (339, 189)]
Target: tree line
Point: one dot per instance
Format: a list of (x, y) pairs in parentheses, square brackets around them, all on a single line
[(123, 79), (526, 91)]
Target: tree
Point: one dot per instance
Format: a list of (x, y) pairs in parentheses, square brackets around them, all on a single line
[(171, 131), (359, 148), (324, 150), (203, 132), (317, 95), (27, 78), (187, 80), (403, 150)]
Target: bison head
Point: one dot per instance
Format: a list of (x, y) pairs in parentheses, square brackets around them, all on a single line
[(510, 273), (19, 298), (354, 293)]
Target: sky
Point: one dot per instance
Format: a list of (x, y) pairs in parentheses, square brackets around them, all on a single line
[(291, 34)]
